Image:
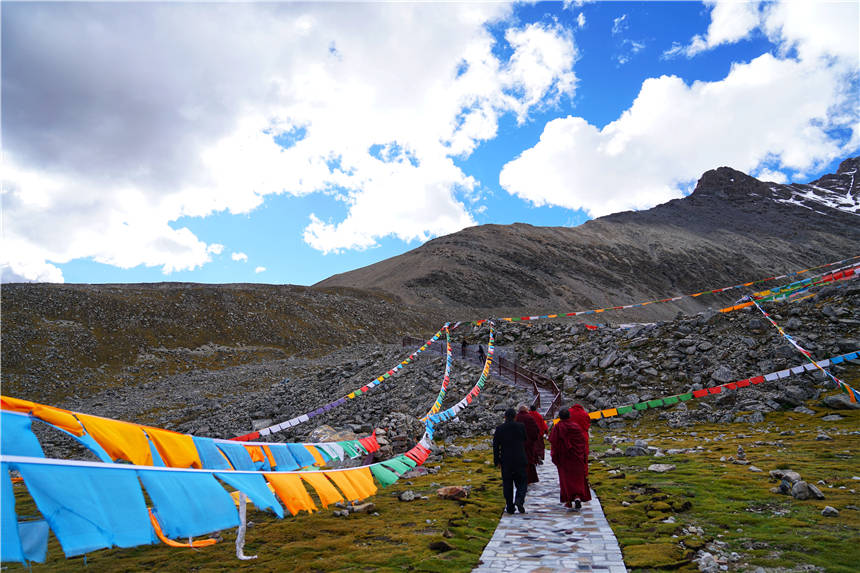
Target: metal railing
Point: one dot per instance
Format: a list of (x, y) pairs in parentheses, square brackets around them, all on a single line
[(506, 368)]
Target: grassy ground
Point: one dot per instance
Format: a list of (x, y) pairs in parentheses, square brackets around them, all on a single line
[(732, 506), (422, 535)]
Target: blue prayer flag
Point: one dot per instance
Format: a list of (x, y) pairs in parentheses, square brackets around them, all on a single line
[(89, 508), (189, 503)]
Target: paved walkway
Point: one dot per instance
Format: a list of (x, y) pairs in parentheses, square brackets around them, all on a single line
[(551, 538)]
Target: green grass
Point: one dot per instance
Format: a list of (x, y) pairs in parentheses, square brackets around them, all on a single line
[(731, 504), (398, 539), (728, 502)]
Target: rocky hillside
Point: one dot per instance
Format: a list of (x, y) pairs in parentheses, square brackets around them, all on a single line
[(731, 228), (618, 366), (63, 340)]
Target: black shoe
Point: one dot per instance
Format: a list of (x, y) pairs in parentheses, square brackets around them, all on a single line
[(510, 509), (577, 505), (521, 508)]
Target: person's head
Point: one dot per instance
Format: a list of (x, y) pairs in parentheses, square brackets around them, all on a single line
[(564, 414), (510, 414), (533, 408), (522, 408)]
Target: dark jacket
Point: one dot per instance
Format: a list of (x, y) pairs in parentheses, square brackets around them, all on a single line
[(509, 446)]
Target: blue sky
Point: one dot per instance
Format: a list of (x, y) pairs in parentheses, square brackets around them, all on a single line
[(284, 143)]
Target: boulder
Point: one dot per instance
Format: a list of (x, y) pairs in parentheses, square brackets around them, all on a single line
[(452, 492), (829, 511), (841, 402), (661, 468)]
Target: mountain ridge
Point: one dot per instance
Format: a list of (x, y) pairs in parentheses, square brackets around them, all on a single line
[(731, 228)]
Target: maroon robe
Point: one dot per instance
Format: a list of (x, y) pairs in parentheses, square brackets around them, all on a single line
[(581, 417), (570, 455), (541, 446), (532, 438)]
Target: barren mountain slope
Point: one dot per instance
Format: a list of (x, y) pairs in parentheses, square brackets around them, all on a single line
[(731, 228)]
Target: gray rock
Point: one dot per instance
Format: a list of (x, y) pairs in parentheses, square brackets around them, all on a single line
[(661, 468), (635, 451), (841, 402), (800, 490), (829, 511), (831, 418), (407, 495), (789, 475), (723, 374), (540, 350), (804, 410), (814, 491)]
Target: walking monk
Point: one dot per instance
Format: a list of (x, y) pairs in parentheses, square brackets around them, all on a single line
[(569, 453), (540, 446), (532, 438)]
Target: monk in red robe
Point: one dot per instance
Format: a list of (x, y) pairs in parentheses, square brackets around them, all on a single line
[(569, 453), (581, 417), (532, 438), (540, 445)]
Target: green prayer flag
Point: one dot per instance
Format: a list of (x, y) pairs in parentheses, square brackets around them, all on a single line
[(407, 460), (625, 409), (655, 403), (641, 406), (670, 400), (685, 397), (383, 475), (397, 466)]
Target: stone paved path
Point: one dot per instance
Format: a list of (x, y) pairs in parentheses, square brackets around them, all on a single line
[(551, 538)]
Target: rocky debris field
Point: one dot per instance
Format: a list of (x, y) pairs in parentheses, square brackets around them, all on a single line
[(239, 391), (615, 366), (238, 399)]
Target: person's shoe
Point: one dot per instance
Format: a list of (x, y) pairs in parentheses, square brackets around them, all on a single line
[(510, 509), (521, 508), (577, 505), (567, 505)]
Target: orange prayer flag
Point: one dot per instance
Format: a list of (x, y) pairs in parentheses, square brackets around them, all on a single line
[(362, 481), (16, 404), (177, 450), (121, 440), (345, 485), (292, 492), (320, 461), (327, 493), (256, 453), (594, 415), (609, 412), (272, 463), (62, 419)]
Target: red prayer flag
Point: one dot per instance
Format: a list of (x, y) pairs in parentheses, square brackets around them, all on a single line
[(743, 383), (731, 386), (247, 437), (699, 393), (715, 390), (757, 380)]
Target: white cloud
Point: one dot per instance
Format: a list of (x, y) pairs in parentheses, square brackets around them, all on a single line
[(259, 270), (620, 25), (580, 20), (215, 248), (110, 135), (731, 21), (239, 257), (815, 28), (674, 132), (766, 174)]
